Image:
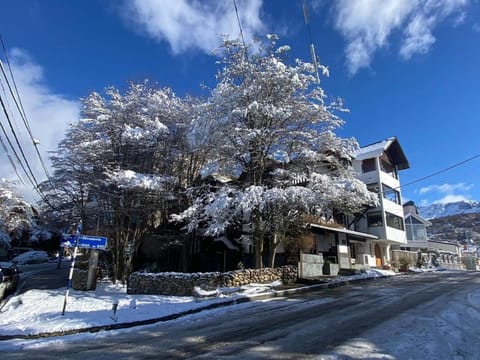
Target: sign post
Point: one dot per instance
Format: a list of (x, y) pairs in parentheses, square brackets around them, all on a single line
[(70, 275), (80, 241)]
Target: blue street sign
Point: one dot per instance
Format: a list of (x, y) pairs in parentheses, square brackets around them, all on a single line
[(84, 241), (92, 242)]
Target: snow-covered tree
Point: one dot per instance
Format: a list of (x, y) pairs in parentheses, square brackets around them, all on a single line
[(18, 224), (273, 134), (121, 166)]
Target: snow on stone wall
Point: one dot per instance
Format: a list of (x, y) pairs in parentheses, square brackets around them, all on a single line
[(183, 284)]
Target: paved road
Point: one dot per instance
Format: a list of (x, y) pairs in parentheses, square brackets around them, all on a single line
[(304, 326), (43, 276)]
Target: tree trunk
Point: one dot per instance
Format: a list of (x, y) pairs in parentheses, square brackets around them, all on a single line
[(273, 249), (259, 235)]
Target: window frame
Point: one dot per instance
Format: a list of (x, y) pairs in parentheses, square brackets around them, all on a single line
[(388, 220), (373, 215), (388, 191)]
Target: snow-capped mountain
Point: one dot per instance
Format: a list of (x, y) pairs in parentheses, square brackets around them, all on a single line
[(440, 210)]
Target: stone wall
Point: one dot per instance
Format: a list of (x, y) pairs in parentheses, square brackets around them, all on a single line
[(431, 258), (182, 284), (79, 280)]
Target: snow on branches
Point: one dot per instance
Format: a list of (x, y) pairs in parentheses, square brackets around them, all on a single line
[(128, 179), (260, 148), (272, 131)]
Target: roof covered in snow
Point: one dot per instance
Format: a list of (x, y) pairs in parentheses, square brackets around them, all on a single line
[(391, 146)]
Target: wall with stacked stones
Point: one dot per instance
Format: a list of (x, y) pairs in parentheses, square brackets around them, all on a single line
[(182, 284)]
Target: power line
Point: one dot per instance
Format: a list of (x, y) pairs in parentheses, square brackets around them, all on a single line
[(312, 48), (5, 149), (32, 178), (440, 171), (240, 27), (19, 105)]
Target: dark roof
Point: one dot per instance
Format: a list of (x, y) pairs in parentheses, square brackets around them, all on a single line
[(391, 146)]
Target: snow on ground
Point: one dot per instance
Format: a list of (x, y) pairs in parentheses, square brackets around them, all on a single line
[(40, 311), (37, 311)]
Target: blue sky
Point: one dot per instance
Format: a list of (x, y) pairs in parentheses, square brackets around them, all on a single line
[(404, 68)]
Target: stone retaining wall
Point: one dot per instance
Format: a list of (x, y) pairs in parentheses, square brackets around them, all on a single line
[(182, 284), (79, 280)]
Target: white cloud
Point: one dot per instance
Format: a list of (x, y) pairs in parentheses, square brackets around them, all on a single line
[(197, 25), (451, 198), (48, 114), (418, 36), (367, 26), (446, 188), (447, 192)]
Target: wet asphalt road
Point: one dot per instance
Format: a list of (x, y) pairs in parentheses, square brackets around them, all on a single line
[(302, 326)]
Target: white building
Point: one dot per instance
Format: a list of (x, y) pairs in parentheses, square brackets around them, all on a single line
[(378, 166), (367, 239)]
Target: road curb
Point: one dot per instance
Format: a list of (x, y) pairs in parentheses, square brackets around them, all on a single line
[(229, 302)]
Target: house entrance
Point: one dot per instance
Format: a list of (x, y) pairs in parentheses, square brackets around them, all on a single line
[(378, 256)]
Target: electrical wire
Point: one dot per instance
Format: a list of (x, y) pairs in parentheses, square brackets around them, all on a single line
[(20, 106), (440, 171), (17, 142), (12, 147), (5, 149), (240, 27), (312, 48), (30, 175)]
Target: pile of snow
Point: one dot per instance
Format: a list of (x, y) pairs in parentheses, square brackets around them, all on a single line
[(31, 257)]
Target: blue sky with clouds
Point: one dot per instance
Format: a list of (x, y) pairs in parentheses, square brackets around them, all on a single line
[(404, 68)]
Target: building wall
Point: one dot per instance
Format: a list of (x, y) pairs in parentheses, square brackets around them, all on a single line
[(379, 177), (453, 248)]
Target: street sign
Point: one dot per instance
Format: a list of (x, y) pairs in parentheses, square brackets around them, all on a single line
[(84, 241), (92, 242)]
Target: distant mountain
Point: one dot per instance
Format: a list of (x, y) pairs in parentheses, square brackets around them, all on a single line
[(441, 210), (461, 227)]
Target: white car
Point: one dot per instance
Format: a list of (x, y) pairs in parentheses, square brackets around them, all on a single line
[(31, 257)]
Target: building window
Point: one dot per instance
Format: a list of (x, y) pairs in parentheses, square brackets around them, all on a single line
[(391, 194), (368, 165), (374, 219), (388, 168), (373, 188), (394, 221)]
